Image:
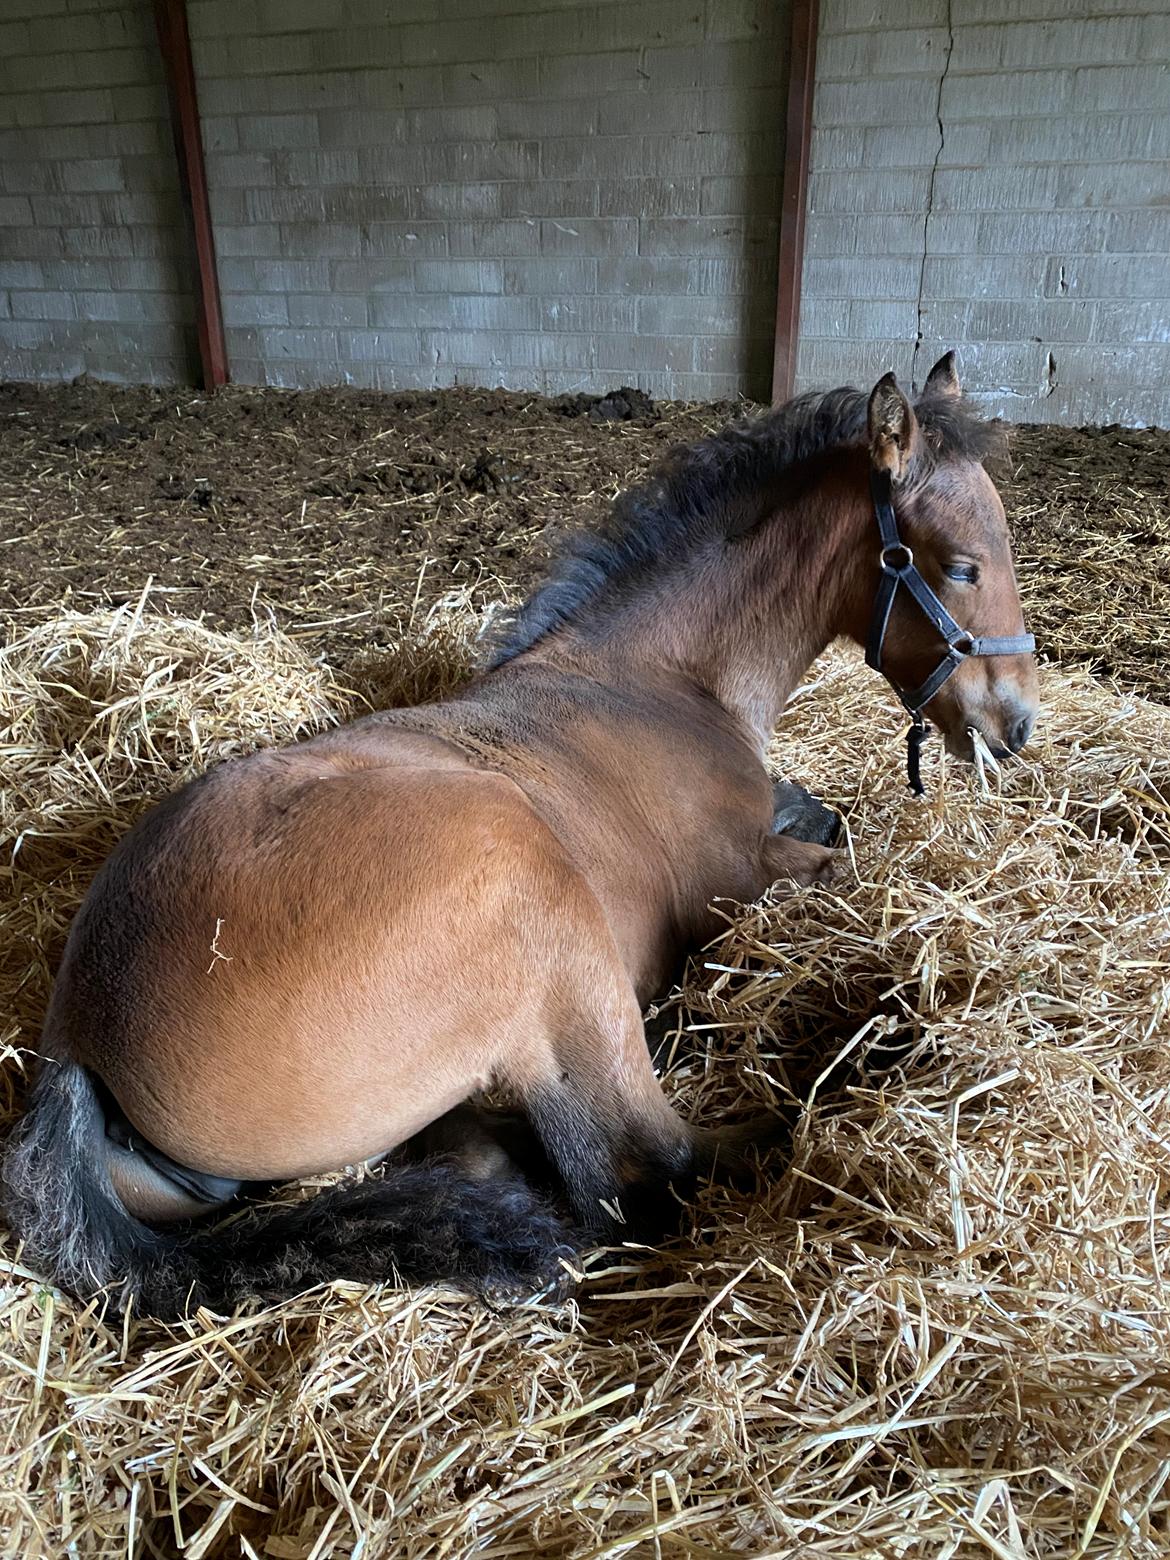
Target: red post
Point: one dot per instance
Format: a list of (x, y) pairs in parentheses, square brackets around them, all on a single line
[(175, 43), (802, 67)]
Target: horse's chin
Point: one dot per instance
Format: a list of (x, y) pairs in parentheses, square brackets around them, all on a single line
[(961, 744)]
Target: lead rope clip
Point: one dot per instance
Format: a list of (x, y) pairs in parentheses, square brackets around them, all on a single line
[(915, 737)]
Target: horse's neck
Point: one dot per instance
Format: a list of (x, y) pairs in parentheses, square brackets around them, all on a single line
[(746, 624)]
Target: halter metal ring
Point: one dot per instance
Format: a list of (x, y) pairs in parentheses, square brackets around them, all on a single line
[(897, 558)]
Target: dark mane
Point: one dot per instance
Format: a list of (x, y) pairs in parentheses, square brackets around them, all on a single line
[(721, 485)]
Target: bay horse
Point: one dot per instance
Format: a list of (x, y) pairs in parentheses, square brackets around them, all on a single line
[(314, 955)]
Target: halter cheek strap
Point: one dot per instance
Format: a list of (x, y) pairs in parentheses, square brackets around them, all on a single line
[(900, 570)]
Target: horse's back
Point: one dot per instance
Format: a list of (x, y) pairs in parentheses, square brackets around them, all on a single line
[(308, 956)]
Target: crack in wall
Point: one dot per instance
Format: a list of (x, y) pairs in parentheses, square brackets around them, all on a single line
[(928, 213)]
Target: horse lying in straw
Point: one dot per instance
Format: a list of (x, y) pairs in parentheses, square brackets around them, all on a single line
[(312, 956)]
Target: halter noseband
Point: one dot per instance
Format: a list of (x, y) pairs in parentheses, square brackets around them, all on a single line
[(899, 568)]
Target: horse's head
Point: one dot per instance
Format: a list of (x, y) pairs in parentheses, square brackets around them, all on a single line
[(969, 665)]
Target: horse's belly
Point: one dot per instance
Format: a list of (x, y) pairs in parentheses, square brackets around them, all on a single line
[(284, 1098)]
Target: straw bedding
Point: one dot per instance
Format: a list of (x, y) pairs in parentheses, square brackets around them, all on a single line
[(936, 1329)]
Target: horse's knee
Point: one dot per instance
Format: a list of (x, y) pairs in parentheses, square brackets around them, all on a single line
[(799, 861), (625, 1158), (629, 1175)]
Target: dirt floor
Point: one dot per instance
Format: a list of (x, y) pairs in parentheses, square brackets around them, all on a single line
[(340, 511)]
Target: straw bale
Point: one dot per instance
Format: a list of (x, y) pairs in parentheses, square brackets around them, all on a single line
[(937, 1328)]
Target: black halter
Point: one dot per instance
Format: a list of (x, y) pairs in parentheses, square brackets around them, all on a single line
[(899, 568)]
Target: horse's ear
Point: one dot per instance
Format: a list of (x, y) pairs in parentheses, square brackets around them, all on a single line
[(943, 379), (893, 429)]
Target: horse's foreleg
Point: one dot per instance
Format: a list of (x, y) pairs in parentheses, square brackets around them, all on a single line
[(797, 860), (784, 854)]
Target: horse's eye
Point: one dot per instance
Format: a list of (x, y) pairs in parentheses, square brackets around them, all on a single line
[(964, 573)]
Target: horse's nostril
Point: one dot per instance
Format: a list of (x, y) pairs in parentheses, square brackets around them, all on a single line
[(1020, 732)]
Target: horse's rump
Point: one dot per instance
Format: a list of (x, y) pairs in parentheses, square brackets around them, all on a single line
[(306, 990)]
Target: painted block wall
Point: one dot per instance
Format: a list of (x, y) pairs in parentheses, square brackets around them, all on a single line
[(93, 254), (994, 175), (542, 195), (559, 196)]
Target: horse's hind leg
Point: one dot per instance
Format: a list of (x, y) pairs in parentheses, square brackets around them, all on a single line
[(626, 1158), (485, 1144)]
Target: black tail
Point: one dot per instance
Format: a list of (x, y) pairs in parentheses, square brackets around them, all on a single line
[(413, 1224)]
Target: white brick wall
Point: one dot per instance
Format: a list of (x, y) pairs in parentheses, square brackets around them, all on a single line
[(1033, 233), (93, 274), (534, 193)]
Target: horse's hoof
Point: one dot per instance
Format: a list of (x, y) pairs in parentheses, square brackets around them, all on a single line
[(797, 813)]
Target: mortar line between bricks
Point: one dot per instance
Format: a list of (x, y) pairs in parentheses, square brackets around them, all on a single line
[(930, 189)]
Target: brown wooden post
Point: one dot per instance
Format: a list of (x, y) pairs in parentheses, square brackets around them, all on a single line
[(802, 66), (175, 43)]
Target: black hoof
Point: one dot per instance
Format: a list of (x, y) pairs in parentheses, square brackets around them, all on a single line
[(797, 812)]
